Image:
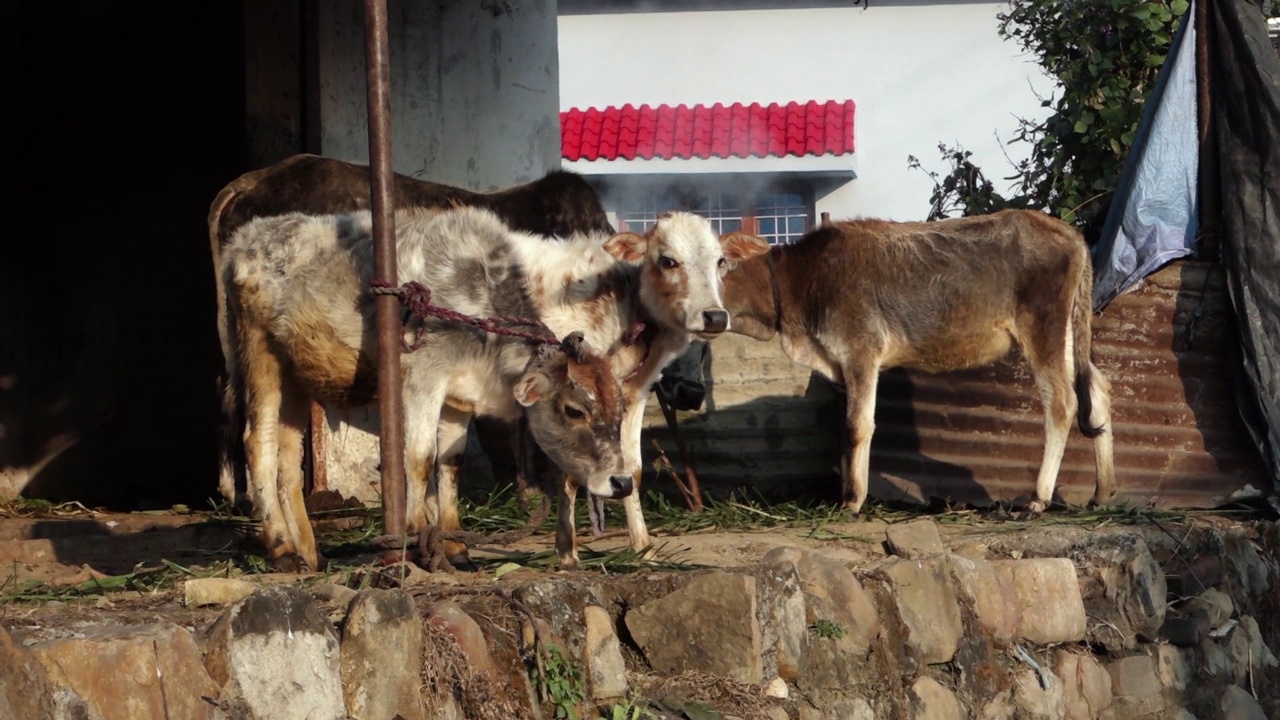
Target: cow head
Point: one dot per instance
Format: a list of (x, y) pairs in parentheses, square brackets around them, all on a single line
[(684, 266), (748, 289), (574, 406)]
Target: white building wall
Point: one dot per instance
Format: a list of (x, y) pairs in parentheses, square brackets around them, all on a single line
[(918, 72)]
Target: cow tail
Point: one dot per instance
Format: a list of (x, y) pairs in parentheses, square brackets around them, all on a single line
[(232, 459), (1087, 376)]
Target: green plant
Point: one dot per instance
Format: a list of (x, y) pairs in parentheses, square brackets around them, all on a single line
[(965, 189), (560, 681), (827, 629), (633, 708), (1106, 55)]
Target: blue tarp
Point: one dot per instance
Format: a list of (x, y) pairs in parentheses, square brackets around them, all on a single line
[(1153, 216)]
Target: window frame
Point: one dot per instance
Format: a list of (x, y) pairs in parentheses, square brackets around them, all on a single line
[(695, 193)]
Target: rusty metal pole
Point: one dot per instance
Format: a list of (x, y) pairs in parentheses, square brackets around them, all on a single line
[(390, 404)]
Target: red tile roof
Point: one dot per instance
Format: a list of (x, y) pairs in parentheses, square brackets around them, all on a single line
[(707, 131)]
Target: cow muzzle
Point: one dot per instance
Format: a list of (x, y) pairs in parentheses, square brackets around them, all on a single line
[(715, 321), (620, 486)]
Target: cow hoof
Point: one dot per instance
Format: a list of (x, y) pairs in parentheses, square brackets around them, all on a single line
[(1035, 509), (287, 563), (645, 551), (570, 563), (462, 562), (397, 556)]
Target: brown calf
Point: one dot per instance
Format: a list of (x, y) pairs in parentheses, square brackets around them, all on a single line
[(852, 298)]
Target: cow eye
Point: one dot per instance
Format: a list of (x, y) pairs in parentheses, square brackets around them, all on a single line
[(667, 263), (574, 413)]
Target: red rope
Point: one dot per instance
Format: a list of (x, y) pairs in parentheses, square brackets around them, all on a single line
[(416, 298)]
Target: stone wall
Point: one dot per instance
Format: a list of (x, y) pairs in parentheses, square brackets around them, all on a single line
[(1080, 625)]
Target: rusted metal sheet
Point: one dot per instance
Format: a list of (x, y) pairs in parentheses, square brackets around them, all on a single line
[(977, 436)]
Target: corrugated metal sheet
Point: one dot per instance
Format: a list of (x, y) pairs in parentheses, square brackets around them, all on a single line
[(978, 435)]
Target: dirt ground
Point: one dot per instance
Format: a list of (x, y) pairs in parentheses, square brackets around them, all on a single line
[(61, 569)]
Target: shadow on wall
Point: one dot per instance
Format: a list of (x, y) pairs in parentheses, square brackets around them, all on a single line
[(789, 446)]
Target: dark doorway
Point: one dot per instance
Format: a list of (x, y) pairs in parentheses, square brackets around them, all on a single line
[(130, 119)]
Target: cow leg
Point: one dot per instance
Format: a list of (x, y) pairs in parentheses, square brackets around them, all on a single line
[(1100, 417), (566, 540), (860, 421), (421, 425), (263, 380), (227, 457), (452, 443), (295, 416), (632, 424), (1048, 351)]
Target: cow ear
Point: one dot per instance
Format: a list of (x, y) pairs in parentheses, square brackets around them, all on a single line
[(531, 387), (626, 246), (739, 246), (545, 357)]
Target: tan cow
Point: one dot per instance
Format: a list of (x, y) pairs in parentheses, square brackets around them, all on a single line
[(850, 299)]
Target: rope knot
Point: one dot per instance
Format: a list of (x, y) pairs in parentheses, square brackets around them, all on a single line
[(416, 298)]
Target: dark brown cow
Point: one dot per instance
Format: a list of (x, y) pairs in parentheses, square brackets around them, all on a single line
[(852, 298), (558, 204)]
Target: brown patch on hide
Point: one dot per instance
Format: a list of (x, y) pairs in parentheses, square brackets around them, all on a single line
[(327, 367), (671, 286), (596, 377), (558, 204)]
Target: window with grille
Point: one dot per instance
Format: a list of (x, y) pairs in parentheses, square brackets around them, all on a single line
[(779, 216), (722, 210), (641, 210)]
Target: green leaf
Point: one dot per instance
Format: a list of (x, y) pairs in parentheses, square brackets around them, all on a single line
[(505, 568), (1179, 7)]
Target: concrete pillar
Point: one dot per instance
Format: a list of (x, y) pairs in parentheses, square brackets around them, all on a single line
[(475, 97)]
